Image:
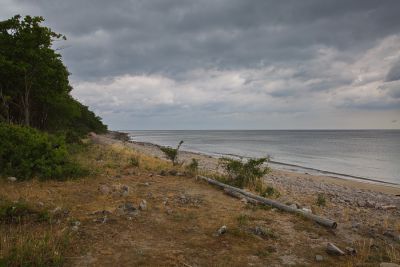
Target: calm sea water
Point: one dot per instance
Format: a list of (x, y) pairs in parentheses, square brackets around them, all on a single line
[(371, 154)]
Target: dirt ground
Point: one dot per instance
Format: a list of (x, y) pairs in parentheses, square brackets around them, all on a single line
[(179, 225)]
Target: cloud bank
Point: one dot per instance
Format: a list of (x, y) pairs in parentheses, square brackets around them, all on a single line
[(230, 64)]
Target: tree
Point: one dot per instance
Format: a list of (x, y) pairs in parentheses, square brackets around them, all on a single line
[(34, 85)]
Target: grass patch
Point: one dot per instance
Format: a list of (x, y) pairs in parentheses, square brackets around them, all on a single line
[(25, 247), (20, 212)]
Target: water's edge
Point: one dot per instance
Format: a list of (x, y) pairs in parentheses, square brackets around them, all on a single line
[(286, 166)]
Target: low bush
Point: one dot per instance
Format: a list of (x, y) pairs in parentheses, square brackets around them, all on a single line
[(321, 200), (193, 167), (26, 153), (20, 212), (172, 153), (245, 173)]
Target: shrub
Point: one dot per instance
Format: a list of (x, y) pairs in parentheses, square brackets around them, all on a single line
[(321, 201), (193, 167), (134, 161), (172, 153), (245, 174), (27, 153), (20, 212)]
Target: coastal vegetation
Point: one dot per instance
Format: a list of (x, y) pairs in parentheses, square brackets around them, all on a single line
[(172, 153), (39, 118)]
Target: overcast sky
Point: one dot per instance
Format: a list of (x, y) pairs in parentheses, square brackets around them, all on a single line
[(230, 64)]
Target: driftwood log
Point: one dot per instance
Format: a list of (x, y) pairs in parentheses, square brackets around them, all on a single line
[(239, 193)]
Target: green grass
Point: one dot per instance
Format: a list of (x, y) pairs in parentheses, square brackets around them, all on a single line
[(21, 212)]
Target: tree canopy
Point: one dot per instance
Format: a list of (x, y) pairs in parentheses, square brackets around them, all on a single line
[(34, 85)]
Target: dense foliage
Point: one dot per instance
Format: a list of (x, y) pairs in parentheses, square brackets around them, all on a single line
[(245, 173), (26, 153), (34, 85)]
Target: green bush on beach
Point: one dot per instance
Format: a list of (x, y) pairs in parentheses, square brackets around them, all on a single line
[(26, 153), (245, 173)]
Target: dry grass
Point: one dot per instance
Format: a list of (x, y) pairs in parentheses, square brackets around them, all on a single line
[(169, 233)]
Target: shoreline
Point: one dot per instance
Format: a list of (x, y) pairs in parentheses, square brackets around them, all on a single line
[(323, 176)]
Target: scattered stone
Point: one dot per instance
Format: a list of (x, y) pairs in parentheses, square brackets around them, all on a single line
[(293, 206), (124, 190), (101, 212), (370, 204), (222, 230), (75, 228), (40, 204), (173, 172), (104, 189), (163, 173), (334, 250), (151, 175), (319, 258), (143, 205), (244, 200), (389, 207), (165, 202), (305, 209), (127, 208), (12, 179), (169, 211), (56, 210), (350, 251), (388, 264)]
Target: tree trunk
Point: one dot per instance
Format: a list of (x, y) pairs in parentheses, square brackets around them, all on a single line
[(251, 197), (25, 102)]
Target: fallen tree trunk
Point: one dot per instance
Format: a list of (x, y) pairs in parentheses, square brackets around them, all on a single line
[(252, 197)]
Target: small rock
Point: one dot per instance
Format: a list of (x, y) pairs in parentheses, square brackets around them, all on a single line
[(334, 250), (388, 264), (127, 208), (244, 200), (370, 204), (104, 189), (12, 179), (350, 251), (319, 258), (56, 210), (75, 228), (40, 204), (76, 223), (305, 209), (222, 230), (124, 190), (293, 206), (143, 205)]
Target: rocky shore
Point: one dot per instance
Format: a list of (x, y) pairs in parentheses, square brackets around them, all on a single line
[(361, 208)]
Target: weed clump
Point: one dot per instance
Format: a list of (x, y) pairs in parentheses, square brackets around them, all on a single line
[(193, 167), (21, 212), (321, 200)]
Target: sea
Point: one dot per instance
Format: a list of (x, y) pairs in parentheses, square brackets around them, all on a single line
[(367, 155)]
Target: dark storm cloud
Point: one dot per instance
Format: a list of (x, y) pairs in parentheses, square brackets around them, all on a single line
[(214, 59), (394, 73), (108, 38)]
